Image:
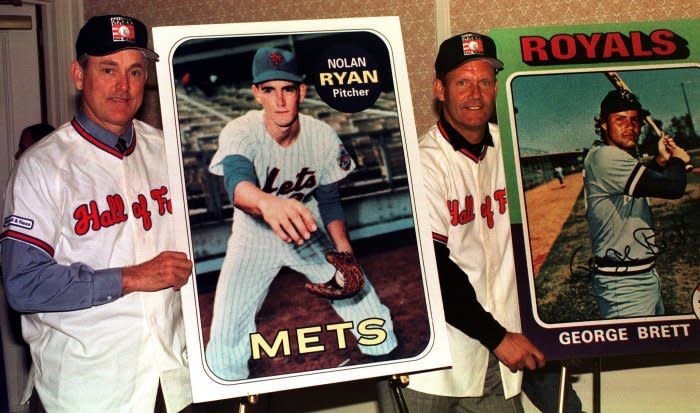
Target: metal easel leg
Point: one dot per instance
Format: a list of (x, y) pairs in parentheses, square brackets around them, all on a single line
[(244, 402), (562, 388), (598, 367), (398, 382)]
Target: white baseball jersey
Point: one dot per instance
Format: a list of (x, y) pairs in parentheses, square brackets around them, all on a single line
[(80, 201), (255, 254), (468, 208)]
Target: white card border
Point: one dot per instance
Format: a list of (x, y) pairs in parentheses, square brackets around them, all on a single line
[(204, 387)]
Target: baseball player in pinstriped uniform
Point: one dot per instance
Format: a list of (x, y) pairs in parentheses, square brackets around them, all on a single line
[(616, 184), (281, 169)]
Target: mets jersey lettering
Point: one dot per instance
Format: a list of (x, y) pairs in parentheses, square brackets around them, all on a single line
[(305, 180)]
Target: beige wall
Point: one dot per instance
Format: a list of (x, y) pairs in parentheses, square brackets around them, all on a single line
[(418, 23), (484, 15)]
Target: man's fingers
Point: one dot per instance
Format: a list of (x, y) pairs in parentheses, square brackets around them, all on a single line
[(530, 362), (307, 219), (303, 220), (539, 358), (301, 228), (290, 220), (535, 358), (277, 229), (518, 353), (291, 232), (167, 269), (176, 262), (178, 268), (179, 282)]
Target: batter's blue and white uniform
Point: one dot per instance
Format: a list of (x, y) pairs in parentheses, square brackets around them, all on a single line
[(625, 282), (255, 254), (466, 194), (80, 201)]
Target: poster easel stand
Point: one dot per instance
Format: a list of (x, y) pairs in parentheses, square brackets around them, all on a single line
[(597, 368), (397, 383), (244, 402), (564, 377)]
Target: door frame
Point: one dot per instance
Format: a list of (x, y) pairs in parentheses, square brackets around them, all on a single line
[(61, 20)]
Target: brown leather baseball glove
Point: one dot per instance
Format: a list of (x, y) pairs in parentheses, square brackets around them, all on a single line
[(347, 281)]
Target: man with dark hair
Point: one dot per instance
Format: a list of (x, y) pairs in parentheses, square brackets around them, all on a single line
[(87, 242), (617, 184)]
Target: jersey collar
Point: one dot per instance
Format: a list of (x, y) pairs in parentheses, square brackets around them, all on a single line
[(101, 137), (475, 152)]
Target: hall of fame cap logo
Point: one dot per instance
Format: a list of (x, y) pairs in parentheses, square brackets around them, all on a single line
[(696, 301), (123, 30), (472, 44)]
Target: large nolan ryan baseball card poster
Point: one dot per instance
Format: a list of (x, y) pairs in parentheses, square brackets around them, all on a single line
[(308, 127), (600, 138)]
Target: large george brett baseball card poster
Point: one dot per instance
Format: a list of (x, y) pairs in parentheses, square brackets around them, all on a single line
[(605, 208), (231, 95)]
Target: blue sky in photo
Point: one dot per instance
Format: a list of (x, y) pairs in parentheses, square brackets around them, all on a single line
[(555, 112)]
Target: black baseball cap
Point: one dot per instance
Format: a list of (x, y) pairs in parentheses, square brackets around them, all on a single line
[(620, 101), (463, 48), (103, 35)]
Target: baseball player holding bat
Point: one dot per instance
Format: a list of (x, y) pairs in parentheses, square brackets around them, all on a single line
[(617, 184), (282, 170), (620, 85)]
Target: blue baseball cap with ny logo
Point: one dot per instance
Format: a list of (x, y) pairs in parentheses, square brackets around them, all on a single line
[(271, 63)]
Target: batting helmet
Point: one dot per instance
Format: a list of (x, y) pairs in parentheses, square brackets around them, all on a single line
[(620, 101)]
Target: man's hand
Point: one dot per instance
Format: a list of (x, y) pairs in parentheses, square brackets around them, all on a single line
[(667, 148), (288, 218), (663, 154), (167, 269), (676, 151), (517, 352)]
